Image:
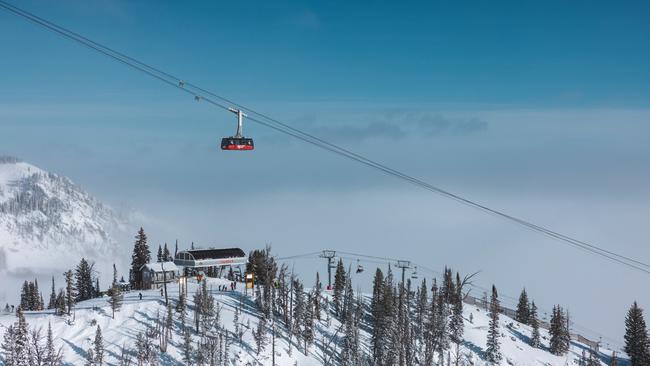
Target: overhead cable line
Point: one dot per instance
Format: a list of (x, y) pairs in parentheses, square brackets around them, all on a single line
[(200, 93)]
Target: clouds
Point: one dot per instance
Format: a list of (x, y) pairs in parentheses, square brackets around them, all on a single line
[(395, 126)]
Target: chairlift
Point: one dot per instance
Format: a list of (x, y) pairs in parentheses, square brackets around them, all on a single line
[(414, 275), (359, 267)]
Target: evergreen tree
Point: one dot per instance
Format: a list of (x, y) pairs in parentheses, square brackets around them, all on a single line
[(308, 322), (559, 342), (84, 287), (456, 325), (165, 254), (259, 335), (441, 335), (60, 303), (35, 298), (70, 294), (188, 349), (350, 347), (534, 323), (116, 298), (377, 316), (98, 345), (52, 356), (144, 348), (114, 283), (421, 307), (298, 315), (21, 333), (316, 297), (8, 347), (431, 326), (52, 303), (36, 351), (523, 308), (389, 324), (25, 295), (636, 337), (160, 257), (339, 287), (141, 256), (493, 352)]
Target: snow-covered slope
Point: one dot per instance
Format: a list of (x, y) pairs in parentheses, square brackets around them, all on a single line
[(136, 315), (45, 218)]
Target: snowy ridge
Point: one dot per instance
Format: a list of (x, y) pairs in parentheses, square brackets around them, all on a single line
[(45, 216), (136, 316)]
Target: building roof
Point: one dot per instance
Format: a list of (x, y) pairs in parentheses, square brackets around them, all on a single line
[(199, 258), (158, 267), (213, 253)]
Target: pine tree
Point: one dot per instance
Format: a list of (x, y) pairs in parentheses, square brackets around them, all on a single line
[(308, 322), (534, 323), (298, 315), (60, 303), (389, 323), (559, 342), (188, 349), (114, 276), (8, 347), (116, 298), (377, 316), (141, 256), (441, 323), (52, 303), (636, 337), (25, 296), (456, 325), (493, 352), (84, 287), (259, 335), (339, 287), (70, 294), (98, 345), (431, 326), (165, 254), (36, 302), (422, 303), (52, 356), (316, 297), (523, 308), (160, 255), (37, 352), (21, 339)]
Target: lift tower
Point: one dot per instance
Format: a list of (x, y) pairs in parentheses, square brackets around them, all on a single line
[(403, 265), (329, 255)]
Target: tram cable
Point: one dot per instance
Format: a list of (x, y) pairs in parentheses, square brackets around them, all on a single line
[(200, 93)]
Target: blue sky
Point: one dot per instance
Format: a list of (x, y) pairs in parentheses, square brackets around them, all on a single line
[(539, 109)]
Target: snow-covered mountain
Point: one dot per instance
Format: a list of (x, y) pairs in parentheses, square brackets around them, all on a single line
[(45, 219)]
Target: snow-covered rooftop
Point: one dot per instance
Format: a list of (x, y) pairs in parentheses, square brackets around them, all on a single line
[(158, 267)]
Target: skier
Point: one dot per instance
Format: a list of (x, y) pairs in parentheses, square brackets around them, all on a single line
[(140, 294)]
